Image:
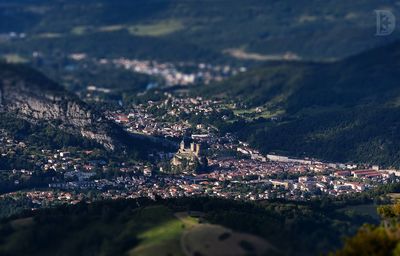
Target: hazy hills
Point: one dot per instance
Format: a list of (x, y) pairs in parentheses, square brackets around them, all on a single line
[(193, 30), (345, 111)]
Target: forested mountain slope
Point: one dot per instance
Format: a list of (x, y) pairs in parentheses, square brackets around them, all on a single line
[(346, 110)]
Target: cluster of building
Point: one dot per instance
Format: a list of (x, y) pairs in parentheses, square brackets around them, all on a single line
[(8, 145), (67, 161), (45, 198), (171, 73), (164, 118), (230, 177), (139, 120)]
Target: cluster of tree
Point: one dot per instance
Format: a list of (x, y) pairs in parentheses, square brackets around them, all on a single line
[(18, 160), (376, 240), (41, 135), (10, 207)]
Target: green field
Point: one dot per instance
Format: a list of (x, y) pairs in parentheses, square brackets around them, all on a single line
[(155, 29), (160, 28), (49, 36), (111, 28), (79, 30), (14, 58), (163, 239), (255, 113)]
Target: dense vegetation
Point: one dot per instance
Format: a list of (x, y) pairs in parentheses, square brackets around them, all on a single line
[(376, 240), (112, 228), (342, 111), (44, 135)]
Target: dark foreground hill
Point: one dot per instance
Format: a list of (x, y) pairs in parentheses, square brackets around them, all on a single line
[(344, 111), (28, 95), (172, 227)]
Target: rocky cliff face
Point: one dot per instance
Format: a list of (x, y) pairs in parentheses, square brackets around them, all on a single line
[(31, 96)]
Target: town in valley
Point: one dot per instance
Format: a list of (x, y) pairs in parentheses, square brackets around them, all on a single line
[(204, 162)]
